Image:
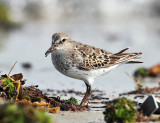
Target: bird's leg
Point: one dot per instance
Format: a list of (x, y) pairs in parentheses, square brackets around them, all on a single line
[(87, 94)]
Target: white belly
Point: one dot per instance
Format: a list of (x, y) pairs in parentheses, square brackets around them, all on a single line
[(64, 65), (90, 75)]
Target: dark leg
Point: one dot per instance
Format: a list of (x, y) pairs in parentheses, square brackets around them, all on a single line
[(87, 94)]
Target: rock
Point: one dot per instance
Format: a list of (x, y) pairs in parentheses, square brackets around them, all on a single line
[(26, 65), (149, 106)]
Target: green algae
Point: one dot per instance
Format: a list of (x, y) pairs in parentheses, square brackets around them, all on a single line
[(71, 100), (22, 113), (121, 110)]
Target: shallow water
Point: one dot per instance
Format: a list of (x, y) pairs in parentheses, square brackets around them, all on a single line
[(29, 43)]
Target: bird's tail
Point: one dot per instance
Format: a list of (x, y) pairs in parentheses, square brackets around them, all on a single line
[(130, 62), (127, 57)]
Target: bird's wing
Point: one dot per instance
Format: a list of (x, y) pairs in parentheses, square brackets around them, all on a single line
[(94, 58)]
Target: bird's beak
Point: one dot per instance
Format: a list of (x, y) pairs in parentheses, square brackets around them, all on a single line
[(50, 50)]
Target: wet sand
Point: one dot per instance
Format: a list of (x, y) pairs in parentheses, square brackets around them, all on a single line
[(78, 117)]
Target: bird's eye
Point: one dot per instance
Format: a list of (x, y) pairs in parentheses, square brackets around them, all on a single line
[(56, 37), (63, 40)]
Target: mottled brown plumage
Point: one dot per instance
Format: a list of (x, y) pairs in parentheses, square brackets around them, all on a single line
[(95, 58)]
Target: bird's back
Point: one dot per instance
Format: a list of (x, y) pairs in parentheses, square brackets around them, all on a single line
[(92, 58)]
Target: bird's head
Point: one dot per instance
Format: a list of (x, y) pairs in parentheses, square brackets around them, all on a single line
[(58, 41)]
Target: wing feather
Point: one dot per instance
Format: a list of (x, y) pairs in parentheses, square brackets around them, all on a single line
[(95, 58)]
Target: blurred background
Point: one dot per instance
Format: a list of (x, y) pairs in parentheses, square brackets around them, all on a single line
[(26, 27)]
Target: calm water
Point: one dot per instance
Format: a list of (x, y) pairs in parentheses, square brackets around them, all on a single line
[(29, 43)]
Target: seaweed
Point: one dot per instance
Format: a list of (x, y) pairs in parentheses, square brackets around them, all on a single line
[(10, 87), (7, 86), (34, 95), (142, 72), (71, 101), (121, 110), (22, 113)]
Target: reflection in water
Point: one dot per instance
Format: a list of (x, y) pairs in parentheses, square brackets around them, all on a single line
[(111, 25)]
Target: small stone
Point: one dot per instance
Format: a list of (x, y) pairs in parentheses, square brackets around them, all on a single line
[(26, 65), (149, 106)]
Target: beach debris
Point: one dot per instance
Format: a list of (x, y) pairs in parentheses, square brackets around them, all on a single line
[(139, 96), (141, 117), (121, 110), (148, 110), (145, 90), (54, 110), (141, 88), (149, 106), (142, 72), (147, 72), (96, 102), (71, 101), (11, 88), (124, 110), (22, 113), (97, 97), (79, 93), (155, 70)]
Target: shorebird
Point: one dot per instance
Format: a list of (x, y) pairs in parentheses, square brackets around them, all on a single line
[(84, 62)]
